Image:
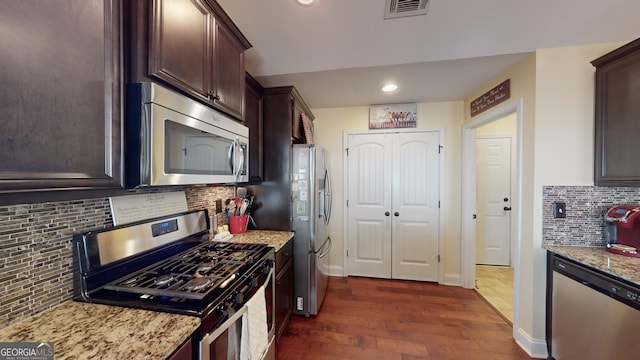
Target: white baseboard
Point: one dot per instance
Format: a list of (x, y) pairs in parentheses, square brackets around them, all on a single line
[(535, 348), (452, 280), (335, 270)]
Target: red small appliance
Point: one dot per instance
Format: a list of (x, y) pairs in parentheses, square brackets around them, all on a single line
[(623, 230)]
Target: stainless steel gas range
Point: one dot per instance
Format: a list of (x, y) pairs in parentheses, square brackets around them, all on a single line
[(169, 264)]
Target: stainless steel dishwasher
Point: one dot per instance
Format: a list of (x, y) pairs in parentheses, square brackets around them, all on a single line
[(593, 315)]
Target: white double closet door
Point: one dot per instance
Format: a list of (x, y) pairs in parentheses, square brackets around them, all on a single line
[(392, 210)]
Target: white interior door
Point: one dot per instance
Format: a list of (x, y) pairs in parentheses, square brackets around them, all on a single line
[(415, 206), (392, 213), (493, 225), (369, 187)]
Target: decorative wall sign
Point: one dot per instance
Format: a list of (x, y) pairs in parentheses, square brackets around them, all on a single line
[(393, 116), (130, 208), (491, 98)]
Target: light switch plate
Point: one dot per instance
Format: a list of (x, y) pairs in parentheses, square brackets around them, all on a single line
[(559, 210)]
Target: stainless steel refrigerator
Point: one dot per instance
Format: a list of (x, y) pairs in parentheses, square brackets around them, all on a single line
[(310, 213)]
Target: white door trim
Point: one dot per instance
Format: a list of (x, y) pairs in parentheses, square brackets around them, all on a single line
[(469, 195), (442, 185)]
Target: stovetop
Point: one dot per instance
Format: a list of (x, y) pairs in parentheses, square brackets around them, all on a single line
[(193, 274)]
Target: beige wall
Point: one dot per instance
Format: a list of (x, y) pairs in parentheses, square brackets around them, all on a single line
[(556, 86), (563, 139), (504, 126), (329, 128)]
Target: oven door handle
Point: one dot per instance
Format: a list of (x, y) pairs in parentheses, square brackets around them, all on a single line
[(209, 338)]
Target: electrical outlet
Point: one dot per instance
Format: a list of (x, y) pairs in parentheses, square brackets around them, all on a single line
[(559, 210), (299, 304)]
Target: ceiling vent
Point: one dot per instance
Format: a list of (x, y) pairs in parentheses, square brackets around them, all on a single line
[(404, 8)]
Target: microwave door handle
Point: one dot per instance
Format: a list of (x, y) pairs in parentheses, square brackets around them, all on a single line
[(230, 155), (240, 160)]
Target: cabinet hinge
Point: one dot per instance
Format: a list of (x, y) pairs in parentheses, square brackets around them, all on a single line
[(440, 149), (438, 204), (347, 203), (347, 253), (347, 150), (438, 257)]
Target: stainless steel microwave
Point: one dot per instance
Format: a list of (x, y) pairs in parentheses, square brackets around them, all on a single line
[(171, 139)]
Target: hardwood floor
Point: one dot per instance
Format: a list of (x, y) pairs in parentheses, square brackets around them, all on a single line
[(495, 284), (364, 318)]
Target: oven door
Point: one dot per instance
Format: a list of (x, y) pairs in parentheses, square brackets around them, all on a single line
[(224, 342)]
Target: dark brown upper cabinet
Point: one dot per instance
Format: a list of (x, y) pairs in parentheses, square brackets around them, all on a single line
[(282, 107), (60, 99), (195, 47), (253, 119), (617, 121)]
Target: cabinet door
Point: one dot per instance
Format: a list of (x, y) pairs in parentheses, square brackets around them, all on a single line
[(180, 45), (284, 298), (228, 81), (60, 110), (253, 119), (617, 126)]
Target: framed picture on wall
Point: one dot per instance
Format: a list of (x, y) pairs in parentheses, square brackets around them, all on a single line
[(392, 116)]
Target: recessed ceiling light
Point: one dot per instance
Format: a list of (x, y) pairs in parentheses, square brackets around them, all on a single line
[(389, 87), (305, 2)]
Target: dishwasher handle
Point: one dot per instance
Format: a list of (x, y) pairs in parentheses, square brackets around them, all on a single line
[(603, 283)]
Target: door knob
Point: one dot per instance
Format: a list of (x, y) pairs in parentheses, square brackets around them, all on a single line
[(505, 199), (396, 213), (386, 213), (506, 208)]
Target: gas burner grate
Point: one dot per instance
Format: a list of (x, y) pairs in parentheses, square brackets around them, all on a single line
[(193, 274)]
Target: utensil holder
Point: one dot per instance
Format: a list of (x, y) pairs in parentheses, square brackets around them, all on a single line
[(238, 224)]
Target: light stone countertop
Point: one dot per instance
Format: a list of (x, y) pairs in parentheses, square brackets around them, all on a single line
[(625, 267), (276, 239), (93, 331)]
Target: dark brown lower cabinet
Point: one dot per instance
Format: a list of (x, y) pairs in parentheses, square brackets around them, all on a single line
[(184, 352), (284, 287)]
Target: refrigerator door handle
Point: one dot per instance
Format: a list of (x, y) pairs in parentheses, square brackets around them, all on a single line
[(325, 252), (327, 208)]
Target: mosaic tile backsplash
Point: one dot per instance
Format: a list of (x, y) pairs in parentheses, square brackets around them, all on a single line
[(586, 206), (35, 247)]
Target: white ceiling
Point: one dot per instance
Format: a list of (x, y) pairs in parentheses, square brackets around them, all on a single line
[(340, 52)]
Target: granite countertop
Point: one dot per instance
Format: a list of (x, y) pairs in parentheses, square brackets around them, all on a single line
[(276, 239), (625, 267), (92, 331)]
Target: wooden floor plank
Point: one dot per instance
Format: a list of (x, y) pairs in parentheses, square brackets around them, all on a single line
[(364, 318)]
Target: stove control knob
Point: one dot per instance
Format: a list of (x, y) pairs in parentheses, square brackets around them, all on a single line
[(266, 267), (253, 282), (230, 300), (239, 298), (222, 310)]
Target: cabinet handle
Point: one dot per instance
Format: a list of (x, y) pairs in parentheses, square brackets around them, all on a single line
[(396, 213), (214, 96)]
